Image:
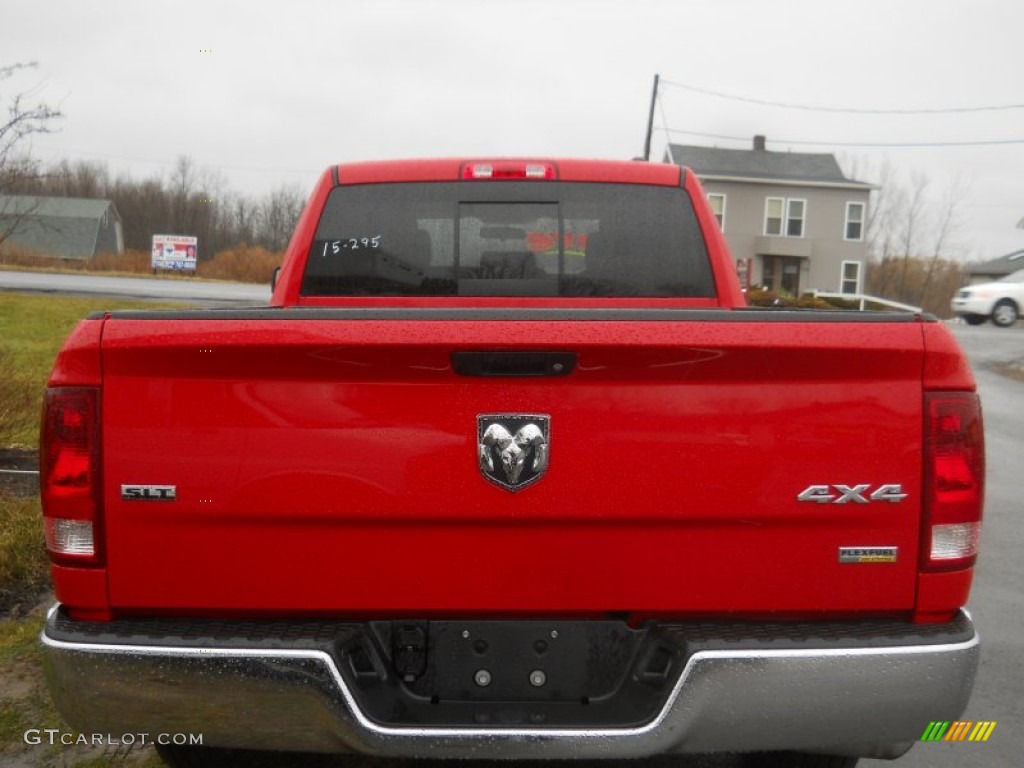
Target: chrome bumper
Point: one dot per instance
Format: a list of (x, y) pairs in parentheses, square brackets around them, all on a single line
[(870, 700)]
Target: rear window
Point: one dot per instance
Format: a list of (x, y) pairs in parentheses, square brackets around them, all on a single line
[(508, 238)]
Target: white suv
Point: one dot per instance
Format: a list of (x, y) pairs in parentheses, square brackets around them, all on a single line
[(1001, 301)]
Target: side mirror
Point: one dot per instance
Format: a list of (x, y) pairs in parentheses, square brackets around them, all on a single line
[(273, 278)]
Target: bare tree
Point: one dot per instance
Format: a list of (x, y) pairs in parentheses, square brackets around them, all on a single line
[(182, 186), (279, 212), (25, 117), (241, 219), (189, 200), (915, 201), (66, 179), (881, 212), (945, 225), (912, 244)]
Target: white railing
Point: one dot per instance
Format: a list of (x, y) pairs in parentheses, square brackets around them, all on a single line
[(864, 299)]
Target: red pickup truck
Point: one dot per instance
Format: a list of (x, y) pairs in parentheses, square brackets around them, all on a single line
[(508, 469)]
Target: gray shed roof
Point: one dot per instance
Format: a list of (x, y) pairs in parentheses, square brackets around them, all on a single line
[(761, 164), (57, 226), (1000, 267)]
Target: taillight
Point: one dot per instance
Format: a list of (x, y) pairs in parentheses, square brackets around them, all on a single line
[(954, 476), (69, 474), (508, 169)]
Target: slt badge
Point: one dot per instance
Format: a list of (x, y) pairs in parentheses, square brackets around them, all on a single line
[(513, 448)]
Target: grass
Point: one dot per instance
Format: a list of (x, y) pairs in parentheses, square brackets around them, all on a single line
[(18, 639), (32, 329), (23, 701), (24, 566)]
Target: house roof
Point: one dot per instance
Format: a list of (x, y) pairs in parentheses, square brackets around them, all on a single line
[(67, 227), (761, 164), (1000, 267), (63, 207)]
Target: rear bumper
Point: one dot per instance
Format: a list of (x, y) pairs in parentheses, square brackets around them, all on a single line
[(869, 688)]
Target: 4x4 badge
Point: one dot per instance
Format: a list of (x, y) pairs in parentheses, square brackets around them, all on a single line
[(513, 448), (857, 494)]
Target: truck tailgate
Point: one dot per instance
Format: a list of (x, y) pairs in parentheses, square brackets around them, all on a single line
[(329, 465)]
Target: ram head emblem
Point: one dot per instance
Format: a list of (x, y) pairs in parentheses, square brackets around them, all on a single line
[(513, 449)]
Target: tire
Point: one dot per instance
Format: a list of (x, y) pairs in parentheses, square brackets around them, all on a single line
[(974, 319), (1005, 313), (796, 760)]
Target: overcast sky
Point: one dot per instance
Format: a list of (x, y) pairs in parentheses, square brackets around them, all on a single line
[(267, 93)]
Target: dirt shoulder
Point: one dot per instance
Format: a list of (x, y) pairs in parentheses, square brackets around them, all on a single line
[(26, 710), (1014, 370)]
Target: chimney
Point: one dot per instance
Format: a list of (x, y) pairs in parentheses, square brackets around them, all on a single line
[(759, 143)]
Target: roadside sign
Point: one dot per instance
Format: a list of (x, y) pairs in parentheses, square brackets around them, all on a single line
[(177, 252)]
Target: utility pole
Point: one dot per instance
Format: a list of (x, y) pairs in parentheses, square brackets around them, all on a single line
[(650, 120)]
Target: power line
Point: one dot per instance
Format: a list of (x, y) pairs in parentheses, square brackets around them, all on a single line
[(863, 144), (843, 110)]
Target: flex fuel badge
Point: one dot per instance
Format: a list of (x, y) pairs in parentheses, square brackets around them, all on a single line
[(868, 554)]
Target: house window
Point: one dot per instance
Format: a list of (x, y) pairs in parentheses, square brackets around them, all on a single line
[(795, 217), (773, 207), (717, 202), (854, 229), (850, 280), (784, 216)]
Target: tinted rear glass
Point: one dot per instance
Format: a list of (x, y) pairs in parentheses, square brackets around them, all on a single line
[(508, 238)]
